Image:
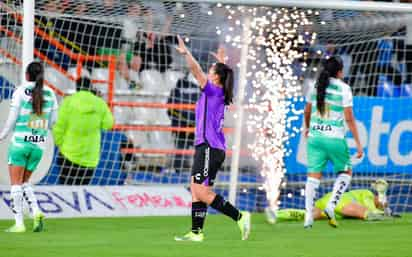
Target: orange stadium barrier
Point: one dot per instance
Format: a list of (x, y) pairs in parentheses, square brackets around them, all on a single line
[(172, 151)]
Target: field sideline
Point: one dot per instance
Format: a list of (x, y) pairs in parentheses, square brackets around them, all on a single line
[(153, 236)]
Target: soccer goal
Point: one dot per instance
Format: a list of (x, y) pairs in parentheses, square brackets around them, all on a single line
[(127, 49)]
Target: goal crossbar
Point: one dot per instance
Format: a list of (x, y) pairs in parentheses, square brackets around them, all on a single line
[(338, 5)]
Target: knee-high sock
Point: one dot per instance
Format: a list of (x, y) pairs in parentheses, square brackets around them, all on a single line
[(312, 185), (30, 197), (339, 187), (199, 211), (226, 208), (17, 203)]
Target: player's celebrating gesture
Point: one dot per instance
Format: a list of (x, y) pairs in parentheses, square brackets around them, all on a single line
[(210, 146)]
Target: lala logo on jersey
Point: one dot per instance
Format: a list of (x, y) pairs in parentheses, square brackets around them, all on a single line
[(322, 127), (35, 139)]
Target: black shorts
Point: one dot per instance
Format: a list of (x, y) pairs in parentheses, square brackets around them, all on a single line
[(206, 163)]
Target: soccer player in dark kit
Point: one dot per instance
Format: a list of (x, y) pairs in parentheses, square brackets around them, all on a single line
[(210, 146)]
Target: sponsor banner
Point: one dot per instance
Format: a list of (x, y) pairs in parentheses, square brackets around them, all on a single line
[(104, 201), (385, 131)]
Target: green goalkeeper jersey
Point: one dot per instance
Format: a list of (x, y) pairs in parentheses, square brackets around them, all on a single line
[(363, 197)]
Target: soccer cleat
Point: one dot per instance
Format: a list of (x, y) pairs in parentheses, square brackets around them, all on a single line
[(244, 224), (190, 237), (309, 226), (16, 229), (270, 216), (331, 219), (38, 222)]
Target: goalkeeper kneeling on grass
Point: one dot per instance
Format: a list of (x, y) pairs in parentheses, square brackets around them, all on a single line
[(359, 204)]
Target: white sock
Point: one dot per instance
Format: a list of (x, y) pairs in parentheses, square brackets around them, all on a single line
[(341, 184), (312, 185), (17, 203), (30, 197)]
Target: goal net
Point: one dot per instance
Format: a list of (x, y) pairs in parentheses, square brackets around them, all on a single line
[(127, 49)]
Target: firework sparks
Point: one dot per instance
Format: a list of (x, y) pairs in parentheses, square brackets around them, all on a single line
[(273, 48)]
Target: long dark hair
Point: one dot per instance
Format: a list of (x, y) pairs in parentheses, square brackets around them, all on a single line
[(331, 67), (225, 74), (35, 73)]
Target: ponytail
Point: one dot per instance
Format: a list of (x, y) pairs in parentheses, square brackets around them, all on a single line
[(331, 67), (323, 82), (225, 74), (228, 87), (35, 73)]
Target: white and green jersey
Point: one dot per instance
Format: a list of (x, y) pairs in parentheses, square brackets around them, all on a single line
[(331, 124), (30, 127)]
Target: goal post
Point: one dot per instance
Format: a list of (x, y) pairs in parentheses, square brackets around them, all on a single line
[(239, 113), (127, 48), (28, 35)]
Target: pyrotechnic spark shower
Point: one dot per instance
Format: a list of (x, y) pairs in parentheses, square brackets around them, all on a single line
[(275, 37)]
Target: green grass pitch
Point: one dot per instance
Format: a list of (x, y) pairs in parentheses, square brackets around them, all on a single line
[(153, 236)]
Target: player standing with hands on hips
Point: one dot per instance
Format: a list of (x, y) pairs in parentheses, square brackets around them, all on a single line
[(33, 111), (329, 105), (210, 146)]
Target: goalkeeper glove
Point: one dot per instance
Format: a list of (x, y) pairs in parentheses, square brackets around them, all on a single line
[(381, 186)]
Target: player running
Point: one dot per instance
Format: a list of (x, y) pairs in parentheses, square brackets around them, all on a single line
[(210, 146), (32, 112), (359, 204), (329, 105)]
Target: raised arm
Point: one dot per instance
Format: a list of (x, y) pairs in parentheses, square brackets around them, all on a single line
[(220, 54), (194, 66)]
